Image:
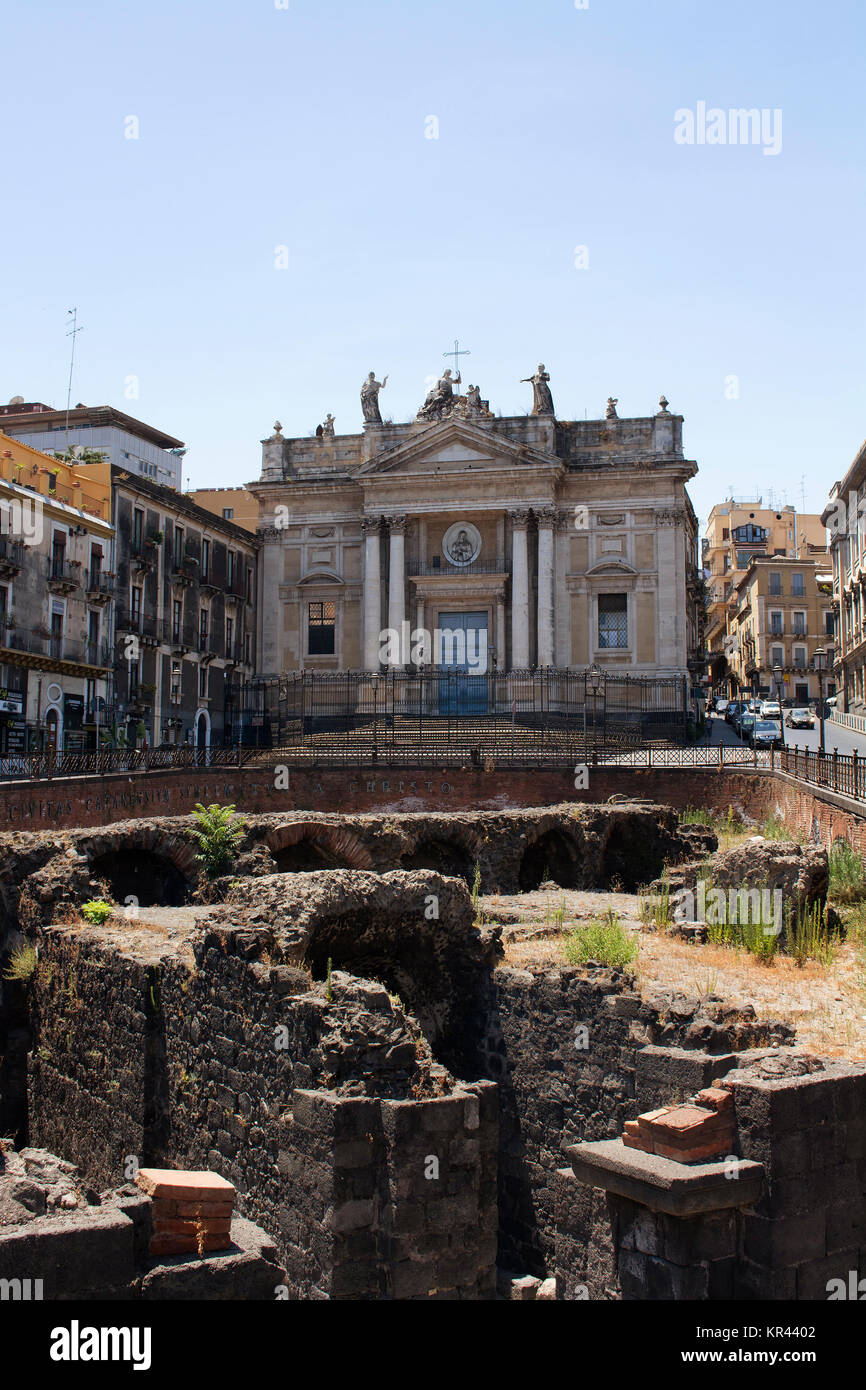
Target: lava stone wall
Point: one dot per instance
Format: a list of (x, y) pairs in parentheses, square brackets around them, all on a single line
[(226, 1062)]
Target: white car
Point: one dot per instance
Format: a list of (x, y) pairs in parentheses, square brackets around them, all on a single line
[(770, 709)]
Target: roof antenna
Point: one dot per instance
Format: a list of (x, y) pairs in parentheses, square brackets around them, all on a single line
[(72, 333)]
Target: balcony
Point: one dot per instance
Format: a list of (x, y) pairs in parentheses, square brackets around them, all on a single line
[(63, 578), (99, 587), (142, 556), (184, 571), (11, 557), (448, 571), (208, 584), (172, 635), (143, 625), (209, 645)]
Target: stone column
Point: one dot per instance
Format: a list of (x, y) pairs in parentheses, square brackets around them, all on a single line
[(500, 634), (519, 590), (397, 577), (561, 598), (546, 523), (269, 615), (372, 592)]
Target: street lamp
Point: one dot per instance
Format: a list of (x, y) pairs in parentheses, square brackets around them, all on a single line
[(594, 679), (820, 658), (777, 676)]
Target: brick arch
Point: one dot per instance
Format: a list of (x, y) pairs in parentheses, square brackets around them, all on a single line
[(452, 852), (332, 845), (552, 851), (122, 855)]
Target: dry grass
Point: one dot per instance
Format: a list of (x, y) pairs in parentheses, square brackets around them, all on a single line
[(826, 1004)]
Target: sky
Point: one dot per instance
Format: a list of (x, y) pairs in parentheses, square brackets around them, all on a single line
[(252, 203)]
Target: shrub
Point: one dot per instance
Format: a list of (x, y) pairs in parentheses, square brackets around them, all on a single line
[(22, 964), (218, 832), (96, 911), (847, 875), (604, 939), (655, 908)]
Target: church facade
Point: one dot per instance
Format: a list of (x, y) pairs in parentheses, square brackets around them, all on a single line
[(463, 540)]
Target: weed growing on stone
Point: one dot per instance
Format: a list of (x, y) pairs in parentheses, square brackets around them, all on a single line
[(96, 911), (847, 874), (218, 833), (601, 939), (774, 829), (808, 937), (655, 908), (22, 964)]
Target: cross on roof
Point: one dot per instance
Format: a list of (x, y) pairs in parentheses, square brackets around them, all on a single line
[(457, 352)]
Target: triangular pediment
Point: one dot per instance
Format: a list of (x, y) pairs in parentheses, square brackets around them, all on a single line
[(454, 445)]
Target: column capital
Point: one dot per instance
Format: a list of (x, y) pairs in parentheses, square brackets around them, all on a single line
[(370, 525), (546, 517), (397, 524), (519, 517), (563, 520)]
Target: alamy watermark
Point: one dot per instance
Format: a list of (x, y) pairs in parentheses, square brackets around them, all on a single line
[(712, 125)]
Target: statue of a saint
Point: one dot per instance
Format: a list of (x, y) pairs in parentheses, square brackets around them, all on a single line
[(542, 401), (610, 413), (328, 426), (370, 399), (461, 549), (440, 398)]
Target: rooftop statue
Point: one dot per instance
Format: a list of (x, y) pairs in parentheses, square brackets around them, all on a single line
[(610, 413), (440, 399), (370, 399), (542, 401)]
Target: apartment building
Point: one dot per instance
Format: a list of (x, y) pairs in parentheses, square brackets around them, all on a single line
[(845, 518), (738, 532), (56, 602), (782, 615)]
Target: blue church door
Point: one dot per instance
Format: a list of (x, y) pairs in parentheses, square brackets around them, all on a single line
[(463, 686)]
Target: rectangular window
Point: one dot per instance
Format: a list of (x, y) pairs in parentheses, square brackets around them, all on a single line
[(202, 629), (777, 656), (613, 620), (228, 513), (247, 648), (205, 559), (58, 553), (775, 583), (176, 619), (230, 575), (322, 629), (799, 624), (230, 636), (800, 657), (249, 583), (798, 586), (137, 528), (202, 682), (776, 623), (135, 607), (829, 624), (178, 546), (175, 682)]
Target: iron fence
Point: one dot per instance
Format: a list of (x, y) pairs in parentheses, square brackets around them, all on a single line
[(47, 765), (437, 714)]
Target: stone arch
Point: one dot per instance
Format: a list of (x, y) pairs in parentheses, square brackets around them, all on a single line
[(155, 868), (451, 855), (306, 846), (551, 855)]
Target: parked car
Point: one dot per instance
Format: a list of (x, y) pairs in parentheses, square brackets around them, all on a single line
[(770, 709), (800, 718), (732, 710), (745, 724), (766, 733), (721, 705)]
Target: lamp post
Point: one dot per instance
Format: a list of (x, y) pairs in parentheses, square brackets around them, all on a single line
[(820, 658), (594, 678), (777, 676)]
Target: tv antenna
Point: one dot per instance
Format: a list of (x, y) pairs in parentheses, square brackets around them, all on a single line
[(71, 333)]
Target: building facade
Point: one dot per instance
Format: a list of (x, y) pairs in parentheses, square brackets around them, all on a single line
[(543, 543), (120, 439), (737, 533), (231, 503), (186, 598), (845, 517), (56, 603), (783, 615)]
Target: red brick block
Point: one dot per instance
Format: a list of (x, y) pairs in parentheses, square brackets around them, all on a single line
[(179, 1186)]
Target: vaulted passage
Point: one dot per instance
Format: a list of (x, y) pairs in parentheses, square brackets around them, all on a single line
[(308, 855), (444, 856), (553, 857), (139, 873), (631, 856)]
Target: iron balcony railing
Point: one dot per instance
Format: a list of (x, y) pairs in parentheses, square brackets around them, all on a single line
[(50, 765), (450, 571)]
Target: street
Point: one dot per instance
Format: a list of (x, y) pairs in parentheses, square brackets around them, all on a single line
[(845, 740)]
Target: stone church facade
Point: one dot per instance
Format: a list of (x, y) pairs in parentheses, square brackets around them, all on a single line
[(549, 543)]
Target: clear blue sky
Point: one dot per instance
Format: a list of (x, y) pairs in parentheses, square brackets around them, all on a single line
[(305, 127)]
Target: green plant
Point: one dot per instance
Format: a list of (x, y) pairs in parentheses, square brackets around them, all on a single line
[(775, 829), (97, 911), (603, 939), (329, 993), (22, 964), (696, 815), (808, 937), (847, 874), (476, 890), (218, 832), (655, 908)]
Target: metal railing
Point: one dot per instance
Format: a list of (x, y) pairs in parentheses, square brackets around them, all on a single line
[(49, 765)]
